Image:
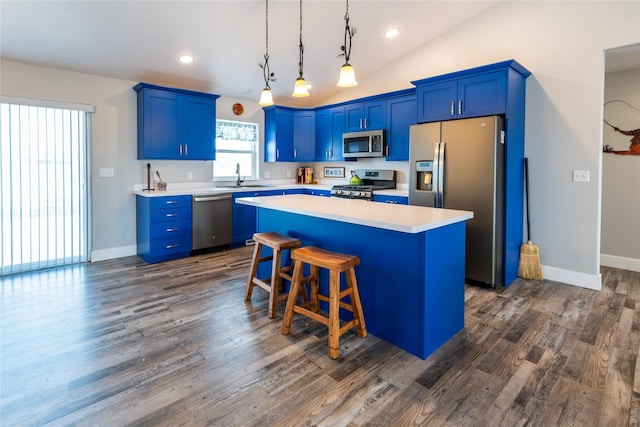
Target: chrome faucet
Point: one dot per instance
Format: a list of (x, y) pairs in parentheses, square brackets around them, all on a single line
[(238, 181)]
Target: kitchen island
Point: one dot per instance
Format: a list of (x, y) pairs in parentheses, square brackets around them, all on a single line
[(412, 260)]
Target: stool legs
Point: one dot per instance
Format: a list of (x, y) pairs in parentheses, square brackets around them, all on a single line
[(252, 271), (311, 308)]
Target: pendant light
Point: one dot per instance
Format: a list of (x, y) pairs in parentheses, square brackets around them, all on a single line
[(266, 98), (300, 88), (347, 75)]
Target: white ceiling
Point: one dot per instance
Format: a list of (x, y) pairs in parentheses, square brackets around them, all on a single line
[(140, 40)]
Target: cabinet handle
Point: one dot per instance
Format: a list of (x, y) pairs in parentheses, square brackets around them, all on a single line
[(387, 150), (169, 215), (360, 123), (295, 153), (180, 149), (171, 202), (453, 103), (186, 150), (460, 106), (277, 153), (365, 122), (175, 245), (169, 230)]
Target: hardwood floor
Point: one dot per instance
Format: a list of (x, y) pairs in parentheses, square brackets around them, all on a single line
[(125, 343)]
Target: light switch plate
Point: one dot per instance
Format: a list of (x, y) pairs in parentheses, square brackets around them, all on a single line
[(581, 176)]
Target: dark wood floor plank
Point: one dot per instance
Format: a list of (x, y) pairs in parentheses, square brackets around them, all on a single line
[(122, 342)]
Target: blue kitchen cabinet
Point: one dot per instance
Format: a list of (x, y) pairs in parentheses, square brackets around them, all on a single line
[(329, 130), (163, 227), (459, 96), (401, 114), (278, 134), (396, 200), (304, 135), (289, 134), (369, 115), (175, 124), (487, 90), (244, 216)]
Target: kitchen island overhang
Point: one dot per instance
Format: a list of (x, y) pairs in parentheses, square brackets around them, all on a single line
[(412, 260)]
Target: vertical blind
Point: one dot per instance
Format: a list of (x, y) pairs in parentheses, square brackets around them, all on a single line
[(44, 218)]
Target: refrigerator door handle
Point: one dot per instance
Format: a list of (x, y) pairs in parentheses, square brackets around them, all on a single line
[(438, 175), (441, 171)]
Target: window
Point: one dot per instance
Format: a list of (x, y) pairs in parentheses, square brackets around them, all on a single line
[(236, 144), (44, 220)]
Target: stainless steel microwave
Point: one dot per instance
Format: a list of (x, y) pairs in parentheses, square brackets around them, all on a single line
[(363, 144)]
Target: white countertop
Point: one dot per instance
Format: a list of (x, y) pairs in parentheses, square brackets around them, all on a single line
[(202, 190), (404, 218)]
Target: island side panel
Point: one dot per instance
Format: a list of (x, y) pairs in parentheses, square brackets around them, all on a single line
[(444, 296), (393, 276)]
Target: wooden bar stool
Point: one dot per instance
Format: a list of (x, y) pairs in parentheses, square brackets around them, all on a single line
[(336, 263), (278, 243)]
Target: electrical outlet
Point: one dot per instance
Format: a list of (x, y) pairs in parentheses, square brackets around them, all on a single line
[(267, 174), (189, 176), (581, 176), (106, 172), (288, 174)]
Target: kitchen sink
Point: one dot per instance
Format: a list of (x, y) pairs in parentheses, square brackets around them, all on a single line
[(247, 186)]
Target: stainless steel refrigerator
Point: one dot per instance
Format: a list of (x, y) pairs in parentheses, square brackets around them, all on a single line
[(459, 164)]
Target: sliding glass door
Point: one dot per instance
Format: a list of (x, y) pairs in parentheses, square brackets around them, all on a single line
[(43, 186)]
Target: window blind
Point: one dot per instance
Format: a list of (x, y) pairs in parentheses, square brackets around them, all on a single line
[(44, 218)]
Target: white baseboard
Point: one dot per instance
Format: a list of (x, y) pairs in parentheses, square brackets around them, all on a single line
[(620, 262), (111, 253), (589, 281)]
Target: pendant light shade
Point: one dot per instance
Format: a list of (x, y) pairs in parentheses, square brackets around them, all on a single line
[(266, 98), (347, 74), (300, 89)]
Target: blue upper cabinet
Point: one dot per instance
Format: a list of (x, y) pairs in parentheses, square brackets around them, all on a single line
[(455, 96), (304, 135), (175, 124), (369, 115), (289, 134), (329, 129), (401, 114)]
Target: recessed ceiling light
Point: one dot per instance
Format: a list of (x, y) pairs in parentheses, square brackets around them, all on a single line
[(391, 32), (186, 58)]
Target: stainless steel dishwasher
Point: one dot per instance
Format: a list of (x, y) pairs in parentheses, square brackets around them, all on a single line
[(211, 220)]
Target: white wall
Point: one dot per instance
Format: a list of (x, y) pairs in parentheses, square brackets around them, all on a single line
[(562, 44), (620, 245)]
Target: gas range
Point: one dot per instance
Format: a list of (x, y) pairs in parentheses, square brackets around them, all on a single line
[(372, 179)]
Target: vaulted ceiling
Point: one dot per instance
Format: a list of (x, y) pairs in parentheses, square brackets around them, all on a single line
[(141, 40)]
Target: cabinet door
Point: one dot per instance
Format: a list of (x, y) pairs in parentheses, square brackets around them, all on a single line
[(375, 115), (304, 129), (329, 130), (437, 101), (482, 95), (159, 125), (354, 117), (401, 113), (199, 119), (278, 135)]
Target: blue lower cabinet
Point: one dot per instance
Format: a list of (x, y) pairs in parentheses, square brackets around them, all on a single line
[(163, 227), (244, 217), (391, 199)]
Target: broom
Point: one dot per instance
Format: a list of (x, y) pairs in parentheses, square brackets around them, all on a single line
[(529, 266)]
